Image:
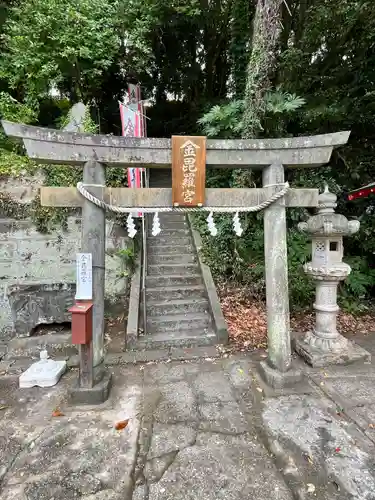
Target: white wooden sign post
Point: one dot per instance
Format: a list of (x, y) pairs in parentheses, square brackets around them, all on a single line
[(82, 322), (84, 276)]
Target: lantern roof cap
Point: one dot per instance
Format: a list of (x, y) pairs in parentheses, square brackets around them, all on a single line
[(327, 200)]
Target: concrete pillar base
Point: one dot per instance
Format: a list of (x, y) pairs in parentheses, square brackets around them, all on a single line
[(91, 395), (325, 352), (277, 379)]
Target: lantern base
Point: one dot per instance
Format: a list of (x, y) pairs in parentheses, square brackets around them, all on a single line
[(318, 357)]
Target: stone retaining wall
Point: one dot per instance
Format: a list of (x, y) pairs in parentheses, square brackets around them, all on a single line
[(29, 258)]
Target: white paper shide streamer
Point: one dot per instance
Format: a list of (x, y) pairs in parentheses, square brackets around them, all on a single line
[(156, 224), (211, 224), (237, 228), (131, 226)]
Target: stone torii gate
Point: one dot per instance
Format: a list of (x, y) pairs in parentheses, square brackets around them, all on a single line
[(272, 156)]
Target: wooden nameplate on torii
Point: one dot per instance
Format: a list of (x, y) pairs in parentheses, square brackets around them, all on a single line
[(188, 171)]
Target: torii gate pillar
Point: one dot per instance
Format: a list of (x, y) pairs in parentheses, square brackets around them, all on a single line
[(277, 370), (275, 253)]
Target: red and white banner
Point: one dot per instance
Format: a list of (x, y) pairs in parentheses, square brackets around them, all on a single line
[(133, 125)]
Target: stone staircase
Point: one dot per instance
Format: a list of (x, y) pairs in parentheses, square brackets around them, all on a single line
[(177, 307)]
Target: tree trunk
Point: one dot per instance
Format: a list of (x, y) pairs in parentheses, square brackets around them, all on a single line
[(262, 63)]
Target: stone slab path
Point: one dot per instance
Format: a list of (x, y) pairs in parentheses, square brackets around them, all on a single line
[(204, 429)]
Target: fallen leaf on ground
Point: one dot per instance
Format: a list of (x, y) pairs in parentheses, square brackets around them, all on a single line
[(259, 389), (370, 425), (3, 407), (310, 488), (57, 413), (337, 486), (121, 425), (308, 458)]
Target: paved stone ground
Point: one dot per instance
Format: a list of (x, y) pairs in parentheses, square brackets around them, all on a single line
[(198, 429), (328, 428)]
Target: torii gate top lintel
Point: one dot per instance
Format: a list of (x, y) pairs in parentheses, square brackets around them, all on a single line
[(54, 146)]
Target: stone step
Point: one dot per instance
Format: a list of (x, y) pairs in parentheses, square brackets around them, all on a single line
[(168, 239), (181, 338), (177, 306), (173, 281), (175, 322), (176, 292), (173, 221), (167, 232), (169, 249), (168, 229), (172, 216), (159, 259), (160, 177), (172, 269)]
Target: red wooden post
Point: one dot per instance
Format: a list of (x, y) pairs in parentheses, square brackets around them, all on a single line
[(82, 336), (81, 322)]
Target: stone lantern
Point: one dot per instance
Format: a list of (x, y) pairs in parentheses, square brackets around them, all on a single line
[(324, 345)]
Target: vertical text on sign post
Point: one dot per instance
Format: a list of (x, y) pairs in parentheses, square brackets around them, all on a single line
[(84, 276), (188, 170)]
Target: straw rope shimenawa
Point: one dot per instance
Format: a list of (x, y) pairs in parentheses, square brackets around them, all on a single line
[(121, 210), (210, 220)]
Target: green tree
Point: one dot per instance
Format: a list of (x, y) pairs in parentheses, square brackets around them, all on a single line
[(240, 43), (67, 45)]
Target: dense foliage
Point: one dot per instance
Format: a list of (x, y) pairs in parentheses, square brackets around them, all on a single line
[(325, 54), (230, 68)]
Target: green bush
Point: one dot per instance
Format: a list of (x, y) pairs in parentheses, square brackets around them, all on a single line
[(241, 259)]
